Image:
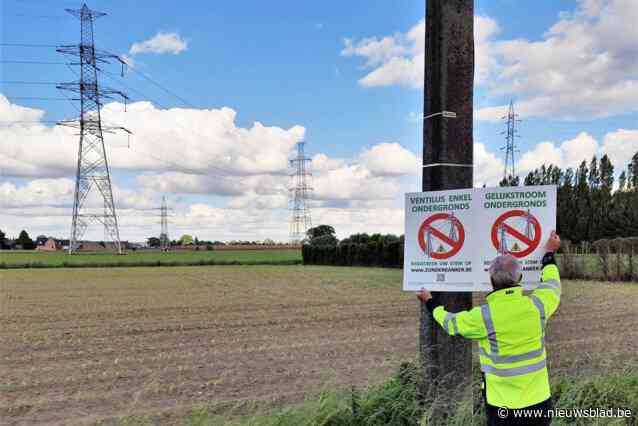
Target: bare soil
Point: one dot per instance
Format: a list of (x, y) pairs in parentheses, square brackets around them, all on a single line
[(93, 345)]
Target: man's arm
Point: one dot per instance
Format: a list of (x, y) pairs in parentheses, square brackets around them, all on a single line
[(468, 324), (549, 291)]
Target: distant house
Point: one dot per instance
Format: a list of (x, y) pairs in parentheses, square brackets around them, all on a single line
[(91, 246), (99, 246), (63, 244), (41, 240), (51, 244)]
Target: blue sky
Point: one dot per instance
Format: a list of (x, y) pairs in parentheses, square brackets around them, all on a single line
[(286, 64)]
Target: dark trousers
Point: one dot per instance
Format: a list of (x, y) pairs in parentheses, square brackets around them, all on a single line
[(534, 415)]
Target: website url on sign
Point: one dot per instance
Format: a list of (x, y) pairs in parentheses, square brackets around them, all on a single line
[(565, 413), (441, 269)]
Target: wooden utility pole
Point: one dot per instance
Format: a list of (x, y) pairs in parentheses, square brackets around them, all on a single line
[(447, 164)]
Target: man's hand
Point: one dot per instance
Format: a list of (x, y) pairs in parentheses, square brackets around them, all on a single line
[(424, 295), (553, 243)]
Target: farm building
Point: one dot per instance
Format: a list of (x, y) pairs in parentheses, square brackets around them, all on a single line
[(50, 244)]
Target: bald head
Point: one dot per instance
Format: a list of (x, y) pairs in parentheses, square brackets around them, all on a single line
[(505, 271)]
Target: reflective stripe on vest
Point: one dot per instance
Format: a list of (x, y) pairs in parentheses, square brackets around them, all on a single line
[(446, 323), (551, 285), (489, 327), (541, 310), (514, 371), (504, 359)]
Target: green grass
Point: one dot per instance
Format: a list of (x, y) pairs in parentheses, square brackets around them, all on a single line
[(33, 259), (394, 403)]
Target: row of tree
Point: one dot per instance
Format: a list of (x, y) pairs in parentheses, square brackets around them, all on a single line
[(323, 248), (590, 204), (188, 240), (590, 207), (23, 241)]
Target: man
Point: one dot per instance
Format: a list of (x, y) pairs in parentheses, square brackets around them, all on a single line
[(510, 329)]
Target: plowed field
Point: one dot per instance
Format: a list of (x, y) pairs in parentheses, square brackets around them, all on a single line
[(87, 345)]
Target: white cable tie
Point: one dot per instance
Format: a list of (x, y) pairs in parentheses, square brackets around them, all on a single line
[(447, 164)]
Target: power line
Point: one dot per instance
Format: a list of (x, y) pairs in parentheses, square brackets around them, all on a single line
[(32, 62), (29, 121), (222, 173), (35, 98), (25, 15), (29, 45), (148, 78), (112, 76), (29, 82)]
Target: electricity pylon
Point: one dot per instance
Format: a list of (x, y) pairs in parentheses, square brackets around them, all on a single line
[(300, 221), (92, 174), (511, 133), (165, 242)]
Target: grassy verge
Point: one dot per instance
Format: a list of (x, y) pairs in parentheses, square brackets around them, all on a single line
[(395, 403), (21, 260)]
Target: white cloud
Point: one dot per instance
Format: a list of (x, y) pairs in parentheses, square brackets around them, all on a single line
[(389, 159), (160, 43), (620, 146), (543, 153), (585, 65), (575, 150), (384, 219), (321, 162), (353, 195), (178, 140), (252, 200), (37, 193), (353, 182), (31, 149), (186, 151), (377, 51), (488, 168), (399, 59), (569, 153)]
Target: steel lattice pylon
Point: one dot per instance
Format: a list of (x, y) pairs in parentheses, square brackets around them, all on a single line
[(511, 133), (165, 242), (300, 221), (92, 173)]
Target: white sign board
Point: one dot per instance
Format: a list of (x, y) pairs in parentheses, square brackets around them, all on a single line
[(451, 237)]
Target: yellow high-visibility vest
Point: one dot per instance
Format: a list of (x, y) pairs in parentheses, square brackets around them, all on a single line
[(510, 329)]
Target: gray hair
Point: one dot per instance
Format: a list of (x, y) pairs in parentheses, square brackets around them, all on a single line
[(505, 271)]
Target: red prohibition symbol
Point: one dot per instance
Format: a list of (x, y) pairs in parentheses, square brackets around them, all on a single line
[(529, 238), (453, 241)]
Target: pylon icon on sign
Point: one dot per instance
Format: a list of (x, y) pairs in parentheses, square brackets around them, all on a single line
[(501, 234), (452, 234), (451, 222), (529, 226), (529, 233)]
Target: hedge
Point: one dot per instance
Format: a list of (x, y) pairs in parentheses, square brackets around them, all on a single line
[(372, 253)]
